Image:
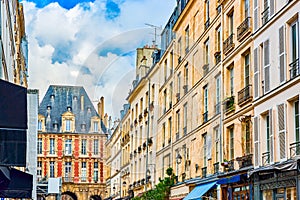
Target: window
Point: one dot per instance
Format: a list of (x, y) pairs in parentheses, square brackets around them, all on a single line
[(52, 146), (170, 95), (163, 134), (179, 49), (178, 123), (205, 102), (95, 126), (39, 169), (83, 147), (96, 172), (218, 94), (68, 171), (247, 8), (297, 122), (217, 142), (52, 163), (206, 13), (166, 69), (187, 39), (39, 125), (248, 138), (294, 42), (170, 130), (178, 85), (68, 147), (206, 52), (247, 69), (231, 142), (268, 132), (68, 125), (39, 146), (83, 171), (204, 138), (218, 39), (96, 146), (186, 78), (231, 74), (231, 23), (165, 102), (185, 110)]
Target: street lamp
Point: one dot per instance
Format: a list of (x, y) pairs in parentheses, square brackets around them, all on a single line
[(178, 161)]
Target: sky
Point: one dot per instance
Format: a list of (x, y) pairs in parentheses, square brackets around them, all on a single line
[(90, 43)]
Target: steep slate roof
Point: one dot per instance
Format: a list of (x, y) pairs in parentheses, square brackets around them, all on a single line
[(60, 98)]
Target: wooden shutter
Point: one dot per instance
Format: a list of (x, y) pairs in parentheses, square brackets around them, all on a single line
[(282, 66), (271, 137), (256, 142), (266, 66), (282, 130), (255, 14), (272, 7), (256, 73)]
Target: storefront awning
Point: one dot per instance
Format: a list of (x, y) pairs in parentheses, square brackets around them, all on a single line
[(15, 183), (227, 180), (199, 191)]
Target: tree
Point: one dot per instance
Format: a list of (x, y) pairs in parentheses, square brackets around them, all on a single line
[(161, 190)]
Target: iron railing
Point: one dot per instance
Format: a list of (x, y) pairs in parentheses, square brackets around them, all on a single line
[(265, 16), (229, 104), (228, 44), (295, 149), (243, 28), (265, 158), (294, 69), (244, 94)]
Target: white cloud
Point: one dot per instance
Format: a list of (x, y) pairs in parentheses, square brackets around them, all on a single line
[(64, 45)]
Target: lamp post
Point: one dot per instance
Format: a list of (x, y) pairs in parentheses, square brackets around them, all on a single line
[(178, 161)]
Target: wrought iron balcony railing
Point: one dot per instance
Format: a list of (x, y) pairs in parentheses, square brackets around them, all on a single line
[(245, 161), (216, 168), (207, 23), (217, 57), (228, 44), (295, 149), (244, 95), (265, 16), (265, 158), (243, 28), (294, 69)]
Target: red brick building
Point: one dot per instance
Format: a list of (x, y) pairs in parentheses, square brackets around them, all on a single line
[(70, 145)]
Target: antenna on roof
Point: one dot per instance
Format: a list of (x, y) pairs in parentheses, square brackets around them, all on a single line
[(155, 29)]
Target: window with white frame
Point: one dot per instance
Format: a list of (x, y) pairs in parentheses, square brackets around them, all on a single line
[(217, 143), (204, 139), (96, 146), (68, 147), (52, 167), (83, 171), (185, 120), (39, 169), (218, 94), (96, 128), (68, 125), (40, 125), (296, 121), (68, 171), (52, 146), (294, 49), (39, 146), (231, 143), (83, 146), (96, 172)]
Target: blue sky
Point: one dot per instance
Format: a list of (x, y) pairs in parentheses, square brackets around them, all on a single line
[(90, 43)]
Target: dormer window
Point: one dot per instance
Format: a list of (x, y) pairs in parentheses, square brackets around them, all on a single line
[(40, 125), (68, 125), (83, 127), (69, 108), (52, 96), (49, 107), (55, 126), (89, 109), (75, 98), (95, 126)]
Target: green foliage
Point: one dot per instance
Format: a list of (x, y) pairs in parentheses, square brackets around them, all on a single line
[(161, 190)]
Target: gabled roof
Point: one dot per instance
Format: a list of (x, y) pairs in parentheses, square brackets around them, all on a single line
[(60, 99)]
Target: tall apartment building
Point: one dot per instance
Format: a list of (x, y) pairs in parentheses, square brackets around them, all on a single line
[(70, 144), (276, 99)]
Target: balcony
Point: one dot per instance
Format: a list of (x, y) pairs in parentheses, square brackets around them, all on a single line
[(216, 168), (243, 29), (229, 104), (217, 57), (204, 172), (265, 158), (228, 44), (206, 24), (265, 16), (295, 149), (228, 165), (244, 95), (294, 69), (245, 161), (205, 117)]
